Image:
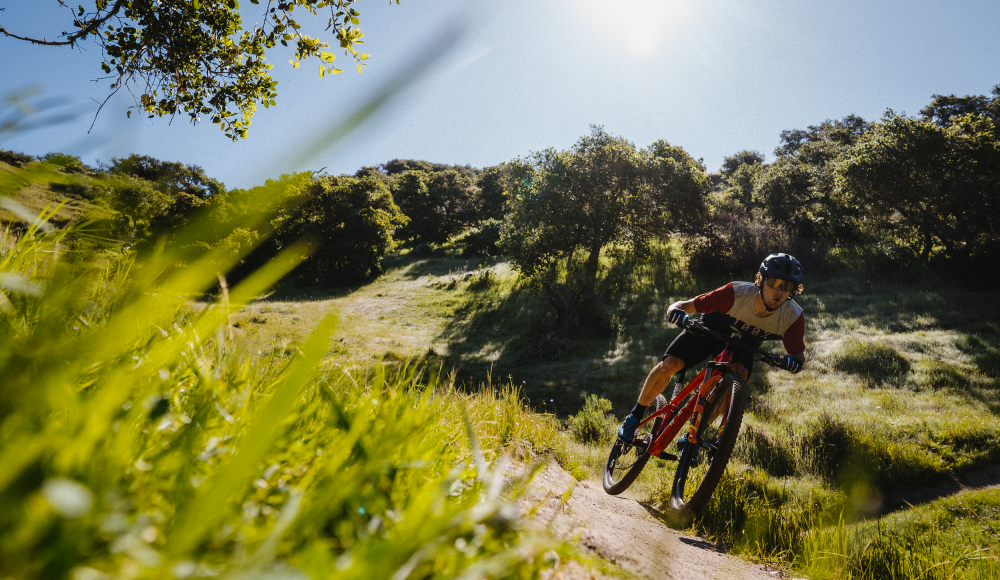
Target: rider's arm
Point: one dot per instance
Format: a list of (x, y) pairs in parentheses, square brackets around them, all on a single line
[(685, 305), (720, 299), (794, 338)]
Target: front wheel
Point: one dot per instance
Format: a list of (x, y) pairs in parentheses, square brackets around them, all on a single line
[(625, 462), (718, 428)]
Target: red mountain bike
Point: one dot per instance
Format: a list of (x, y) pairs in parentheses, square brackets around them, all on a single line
[(714, 402)]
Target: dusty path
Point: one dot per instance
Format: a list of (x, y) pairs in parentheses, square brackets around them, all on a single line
[(624, 532), (628, 534)]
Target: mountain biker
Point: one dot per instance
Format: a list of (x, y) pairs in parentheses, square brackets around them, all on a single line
[(758, 311)]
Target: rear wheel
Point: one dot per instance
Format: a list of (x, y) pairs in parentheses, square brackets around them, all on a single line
[(625, 462), (694, 484)]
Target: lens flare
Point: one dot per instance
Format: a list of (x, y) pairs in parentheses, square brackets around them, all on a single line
[(638, 26)]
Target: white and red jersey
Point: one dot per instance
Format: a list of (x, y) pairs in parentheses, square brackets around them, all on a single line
[(731, 307)]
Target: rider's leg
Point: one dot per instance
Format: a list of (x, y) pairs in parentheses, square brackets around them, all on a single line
[(655, 383), (659, 378)]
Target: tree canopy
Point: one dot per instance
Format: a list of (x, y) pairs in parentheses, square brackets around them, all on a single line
[(196, 57), (746, 157), (438, 204), (600, 192), (944, 108), (172, 176), (350, 222), (926, 183)]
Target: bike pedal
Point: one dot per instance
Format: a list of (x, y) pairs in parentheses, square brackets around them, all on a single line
[(665, 455)]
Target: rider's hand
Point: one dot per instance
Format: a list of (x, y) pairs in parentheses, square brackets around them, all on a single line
[(678, 317), (793, 363)]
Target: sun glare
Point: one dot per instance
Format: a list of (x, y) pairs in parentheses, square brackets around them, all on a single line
[(638, 26)]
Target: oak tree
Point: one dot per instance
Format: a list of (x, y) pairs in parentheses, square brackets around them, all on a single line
[(928, 185), (603, 191)]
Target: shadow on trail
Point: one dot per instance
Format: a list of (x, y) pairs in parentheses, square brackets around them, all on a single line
[(662, 512), (702, 544)]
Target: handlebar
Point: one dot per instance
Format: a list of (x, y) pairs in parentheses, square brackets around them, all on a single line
[(763, 356)]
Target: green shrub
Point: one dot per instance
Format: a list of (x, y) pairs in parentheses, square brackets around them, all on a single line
[(350, 222), (734, 243), (760, 449), (138, 207), (15, 158), (171, 177), (481, 242), (824, 446), (438, 204), (66, 163), (874, 363), (592, 424), (941, 375), (869, 455)]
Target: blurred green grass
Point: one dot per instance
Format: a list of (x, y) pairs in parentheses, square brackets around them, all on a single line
[(138, 443)]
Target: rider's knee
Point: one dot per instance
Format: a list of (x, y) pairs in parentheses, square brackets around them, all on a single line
[(670, 365)]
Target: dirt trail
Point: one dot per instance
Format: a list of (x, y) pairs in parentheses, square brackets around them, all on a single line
[(624, 532), (985, 477), (628, 533)]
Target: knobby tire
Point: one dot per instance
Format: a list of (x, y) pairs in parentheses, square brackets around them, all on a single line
[(619, 474), (724, 448)]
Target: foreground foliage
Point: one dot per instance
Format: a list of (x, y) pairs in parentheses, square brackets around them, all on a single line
[(140, 439)]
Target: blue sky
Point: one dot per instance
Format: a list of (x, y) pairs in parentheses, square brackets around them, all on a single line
[(714, 77)]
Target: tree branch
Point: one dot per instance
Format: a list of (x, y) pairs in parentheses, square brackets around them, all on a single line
[(72, 38)]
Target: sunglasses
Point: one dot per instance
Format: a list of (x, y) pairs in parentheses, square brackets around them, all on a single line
[(779, 284)]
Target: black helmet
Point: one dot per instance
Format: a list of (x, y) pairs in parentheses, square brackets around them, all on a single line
[(783, 266)]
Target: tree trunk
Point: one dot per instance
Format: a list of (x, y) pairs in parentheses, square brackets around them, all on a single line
[(925, 252), (593, 265)]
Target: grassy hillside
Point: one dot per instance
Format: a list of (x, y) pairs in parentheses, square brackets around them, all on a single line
[(34, 197), (902, 389)]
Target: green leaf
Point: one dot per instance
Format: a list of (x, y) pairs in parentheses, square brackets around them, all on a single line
[(322, 71)]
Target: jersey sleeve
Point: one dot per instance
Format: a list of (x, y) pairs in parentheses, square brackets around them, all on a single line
[(794, 337), (718, 300)]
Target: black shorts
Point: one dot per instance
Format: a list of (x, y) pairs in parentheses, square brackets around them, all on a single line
[(696, 348)]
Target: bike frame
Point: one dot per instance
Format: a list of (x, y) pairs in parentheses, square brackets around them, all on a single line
[(694, 408)]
